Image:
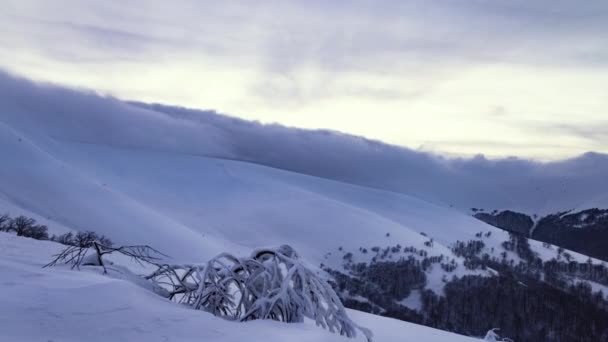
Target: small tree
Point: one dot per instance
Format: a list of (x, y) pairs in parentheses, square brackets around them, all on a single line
[(24, 226), (78, 255), (86, 239), (21, 225), (64, 239), (39, 232)]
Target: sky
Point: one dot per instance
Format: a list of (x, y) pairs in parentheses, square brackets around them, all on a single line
[(501, 78)]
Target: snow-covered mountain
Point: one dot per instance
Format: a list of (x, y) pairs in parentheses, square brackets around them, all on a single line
[(194, 184), (57, 119), (511, 183)]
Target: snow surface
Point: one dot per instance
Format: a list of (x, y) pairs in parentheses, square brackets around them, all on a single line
[(64, 305), (137, 189), (413, 301)]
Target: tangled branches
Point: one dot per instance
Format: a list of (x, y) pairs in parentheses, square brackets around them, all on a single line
[(270, 284), (78, 255)]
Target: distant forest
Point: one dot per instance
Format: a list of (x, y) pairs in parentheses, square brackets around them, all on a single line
[(584, 231), (529, 301)]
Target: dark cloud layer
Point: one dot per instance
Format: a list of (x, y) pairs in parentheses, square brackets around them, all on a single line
[(83, 117), (366, 162), (480, 67)]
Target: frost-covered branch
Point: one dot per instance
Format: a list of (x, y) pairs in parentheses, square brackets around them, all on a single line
[(270, 284)]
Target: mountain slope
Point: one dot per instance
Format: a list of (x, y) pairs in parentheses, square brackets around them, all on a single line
[(506, 184), (510, 183), (180, 181), (59, 304)]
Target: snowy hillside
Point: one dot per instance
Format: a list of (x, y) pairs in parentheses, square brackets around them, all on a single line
[(43, 111), (138, 186), (39, 304), (137, 182), (140, 176), (463, 183), (195, 184)]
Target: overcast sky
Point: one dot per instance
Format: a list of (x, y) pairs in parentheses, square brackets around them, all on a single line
[(517, 77)]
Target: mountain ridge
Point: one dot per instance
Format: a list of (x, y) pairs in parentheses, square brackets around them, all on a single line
[(506, 184)]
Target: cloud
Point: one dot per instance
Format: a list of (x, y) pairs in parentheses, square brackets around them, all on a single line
[(53, 115), (596, 132), (82, 116), (353, 159), (109, 38), (378, 36), (407, 72)]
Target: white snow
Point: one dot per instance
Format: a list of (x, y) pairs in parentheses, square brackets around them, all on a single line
[(193, 207), (64, 305), (413, 301)]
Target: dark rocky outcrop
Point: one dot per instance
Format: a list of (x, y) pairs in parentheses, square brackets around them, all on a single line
[(508, 220), (585, 232)]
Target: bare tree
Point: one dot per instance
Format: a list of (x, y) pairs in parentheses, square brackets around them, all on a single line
[(21, 225), (64, 239), (78, 255), (39, 232), (86, 239), (24, 226)]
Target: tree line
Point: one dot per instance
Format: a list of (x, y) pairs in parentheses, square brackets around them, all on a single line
[(28, 227), (530, 300), (23, 226)]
